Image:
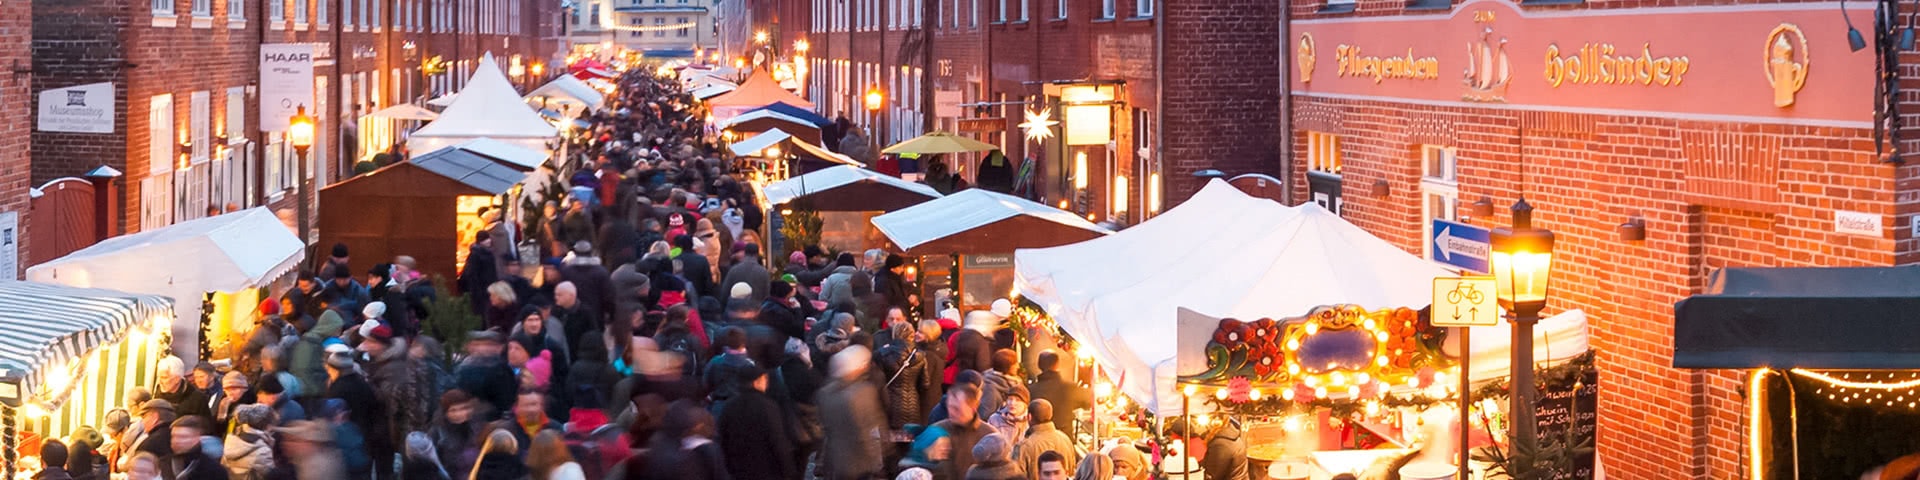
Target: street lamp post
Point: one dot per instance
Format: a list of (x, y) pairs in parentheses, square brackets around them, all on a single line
[(1522, 264), (876, 101), (300, 135)]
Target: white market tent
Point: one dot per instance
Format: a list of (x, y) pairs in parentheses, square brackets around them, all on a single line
[(1222, 254), (751, 146), (569, 92), (981, 221), (184, 261), (849, 188), (488, 107), (704, 93)]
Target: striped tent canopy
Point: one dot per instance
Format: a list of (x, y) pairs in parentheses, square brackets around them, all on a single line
[(42, 325)]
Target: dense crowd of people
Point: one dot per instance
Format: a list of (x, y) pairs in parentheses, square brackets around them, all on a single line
[(632, 330)]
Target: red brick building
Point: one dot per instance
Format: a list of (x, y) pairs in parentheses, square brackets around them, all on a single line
[(16, 122), (977, 67), (184, 78), (1602, 114)]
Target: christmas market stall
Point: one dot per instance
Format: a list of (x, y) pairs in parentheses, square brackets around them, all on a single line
[(1831, 374), (985, 227), (842, 200), (428, 207), (487, 107), (68, 356), (214, 268), (1296, 330)]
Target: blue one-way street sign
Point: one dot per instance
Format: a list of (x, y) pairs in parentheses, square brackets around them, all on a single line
[(1460, 245)]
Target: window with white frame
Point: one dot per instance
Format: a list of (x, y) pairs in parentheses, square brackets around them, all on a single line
[(346, 14), (1142, 8), (659, 27), (202, 8), (1000, 12), (236, 10), (593, 16), (300, 12), (1060, 9), (973, 13), (160, 137), (635, 22), (1106, 9), (1023, 10), (1439, 190), (163, 8), (277, 10), (375, 10), (919, 8), (321, 12), (1323, 153), (200, 126)]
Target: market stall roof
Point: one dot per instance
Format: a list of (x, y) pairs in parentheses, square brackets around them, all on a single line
[(43, 325), (704, 93), (405, 111), (516, 155), (568, 90), (822, 153), (937, 143), (976, 221), (768, 115), (222, 253), (1221, 253), (759, 90), (846, 188), (752, 145), (1852, 318), (488, 107), (444, 99), (796, 112), (471, 168)]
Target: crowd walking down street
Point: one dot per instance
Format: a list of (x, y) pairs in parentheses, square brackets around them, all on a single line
[(647, 340)]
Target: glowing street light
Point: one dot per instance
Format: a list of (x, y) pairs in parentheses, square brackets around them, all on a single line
[(761, 37), (874, 99), (801, 45)]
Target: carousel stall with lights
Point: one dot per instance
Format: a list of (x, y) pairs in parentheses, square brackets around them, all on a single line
[(67, 357), (1832, 376)]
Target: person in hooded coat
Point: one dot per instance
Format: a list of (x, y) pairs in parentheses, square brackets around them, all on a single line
[(307, 362), (1226, 457), (752, 433), (391, 373), (969, 348), (364, 410), (592, 281), (993, 460), (248, 451), (695, 267), (478, 275), (892, 284), (838, 286)]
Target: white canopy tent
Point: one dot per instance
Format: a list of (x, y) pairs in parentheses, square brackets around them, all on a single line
[(568, 92), (704, 93), (751, 146), (847, 177), (1222, 254), (443, 100), (488, 107), (223, 253), (405, 111)]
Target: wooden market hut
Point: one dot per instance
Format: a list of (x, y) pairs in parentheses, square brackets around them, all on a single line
[(414, 208)]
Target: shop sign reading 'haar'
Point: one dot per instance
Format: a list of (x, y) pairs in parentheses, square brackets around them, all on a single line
[(1727, 61)]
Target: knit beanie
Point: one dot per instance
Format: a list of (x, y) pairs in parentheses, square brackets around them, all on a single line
[(993, 447)]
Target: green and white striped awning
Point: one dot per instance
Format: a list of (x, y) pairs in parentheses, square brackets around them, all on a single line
[(44, 325)]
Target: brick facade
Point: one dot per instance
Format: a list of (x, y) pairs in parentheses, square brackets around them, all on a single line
[(368, 53), (1586, 174), (16, 122)]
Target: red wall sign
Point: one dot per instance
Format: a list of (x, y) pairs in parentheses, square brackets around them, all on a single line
[(1764, 62)]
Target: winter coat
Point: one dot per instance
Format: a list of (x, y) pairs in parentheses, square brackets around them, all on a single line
[(489, 379), (247, 455), (195, 465), (970, 351), (567, 471), (1040, 439), (501, 318), (1064, 395), (626, 283), (1015, 429), (576, 324), (750, 272), (752, 437), (456, 444), (699, 274), (53, 473), (575, 227), (1226, 455), (398, 385), (993, 395), (782, 318), (270, 331), (186, 399), (308, 359), (996, 470), (853, 423), (913, 383), (325, 463), (962, 438), (894, 287), (593, 283), (366, 410), (477, 275), (838, 287), (696, 459)]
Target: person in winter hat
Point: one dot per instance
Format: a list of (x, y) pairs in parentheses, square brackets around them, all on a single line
[(993, 460), (248, 451)]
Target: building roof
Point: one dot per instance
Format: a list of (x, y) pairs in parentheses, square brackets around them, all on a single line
[(470, 168)]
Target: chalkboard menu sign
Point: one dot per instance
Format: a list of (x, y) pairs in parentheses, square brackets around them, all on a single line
[(1561, 409)]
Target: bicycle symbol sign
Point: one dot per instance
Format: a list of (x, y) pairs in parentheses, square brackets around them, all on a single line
[(1464, 302)]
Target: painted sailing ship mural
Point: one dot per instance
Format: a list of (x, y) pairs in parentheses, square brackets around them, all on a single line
[(1488, 70)]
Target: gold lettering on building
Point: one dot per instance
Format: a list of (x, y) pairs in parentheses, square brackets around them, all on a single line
[(1353, 64), (1603, 64)]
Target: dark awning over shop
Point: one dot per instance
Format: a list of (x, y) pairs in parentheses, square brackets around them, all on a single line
[(1816, 318)]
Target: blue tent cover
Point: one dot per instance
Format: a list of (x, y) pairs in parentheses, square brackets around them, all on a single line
[(796, 112)]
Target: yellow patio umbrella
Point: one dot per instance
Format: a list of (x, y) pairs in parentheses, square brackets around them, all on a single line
[(938, 143)]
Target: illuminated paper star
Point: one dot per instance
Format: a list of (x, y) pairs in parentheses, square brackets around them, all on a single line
[(1039, 126)]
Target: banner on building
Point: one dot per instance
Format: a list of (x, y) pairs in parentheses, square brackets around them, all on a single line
[(77, 109), (286, 83)]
